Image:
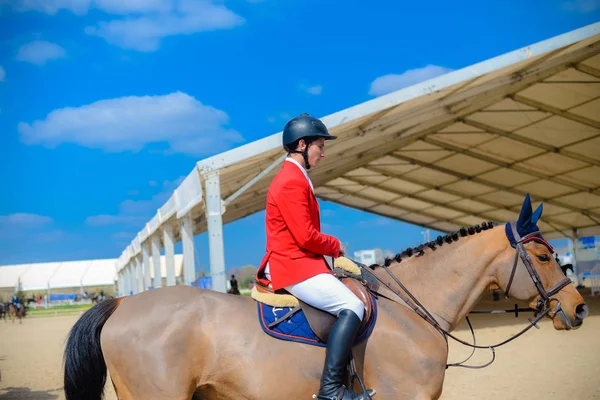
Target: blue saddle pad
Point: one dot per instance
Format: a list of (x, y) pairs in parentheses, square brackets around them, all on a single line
[(296, 327)]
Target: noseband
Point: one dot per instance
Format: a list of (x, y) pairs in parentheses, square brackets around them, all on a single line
[(542, 309)]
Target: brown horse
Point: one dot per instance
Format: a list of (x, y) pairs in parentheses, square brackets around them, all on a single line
[(187, 343), (14, 313)]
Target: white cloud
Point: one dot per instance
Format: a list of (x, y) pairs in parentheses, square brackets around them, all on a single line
[(144, 32), (123, 235), (82, 7), (105, 219), (18, 224), (327, 213), (376, 222), (134, 6), (129, 123), (137, 212), (281, 118), (39, 52), (316, 90), (2, 74), (583, 6), (147, 208), (78, 7), (54, 236), (141, 24), (24, 219), (142, 207), (392, 82), (171, 185)]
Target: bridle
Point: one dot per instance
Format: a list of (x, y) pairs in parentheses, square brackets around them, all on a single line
[(542, 309), (546, 296)]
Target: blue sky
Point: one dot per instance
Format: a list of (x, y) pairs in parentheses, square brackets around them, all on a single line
[(106, 104)]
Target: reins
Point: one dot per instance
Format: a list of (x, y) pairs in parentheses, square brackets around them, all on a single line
[(542, 309)]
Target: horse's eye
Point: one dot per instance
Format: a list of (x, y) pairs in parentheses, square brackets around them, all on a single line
[(543, 257)]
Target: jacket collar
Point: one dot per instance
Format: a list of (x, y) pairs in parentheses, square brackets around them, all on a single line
[(297, 164)]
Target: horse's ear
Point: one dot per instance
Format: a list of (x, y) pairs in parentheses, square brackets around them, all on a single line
[(537, 214), (525, 215)]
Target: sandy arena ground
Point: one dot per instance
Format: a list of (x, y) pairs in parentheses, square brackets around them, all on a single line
[(540, 364)]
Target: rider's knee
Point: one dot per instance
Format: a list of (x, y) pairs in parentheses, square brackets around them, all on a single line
[(357, 306)]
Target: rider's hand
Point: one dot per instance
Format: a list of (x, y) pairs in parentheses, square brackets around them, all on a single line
[(342, 250)]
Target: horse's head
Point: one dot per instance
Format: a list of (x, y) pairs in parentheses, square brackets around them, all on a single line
[(528, 271)]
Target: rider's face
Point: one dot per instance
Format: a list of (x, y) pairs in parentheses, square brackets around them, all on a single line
[(316, 151)]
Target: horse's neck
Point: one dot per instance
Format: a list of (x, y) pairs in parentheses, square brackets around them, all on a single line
[(450, 280)]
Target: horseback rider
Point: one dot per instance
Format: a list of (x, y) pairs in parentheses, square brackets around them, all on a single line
[(16, 302), (296, 249)]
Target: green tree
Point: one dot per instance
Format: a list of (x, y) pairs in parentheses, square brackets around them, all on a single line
[(20, 293)]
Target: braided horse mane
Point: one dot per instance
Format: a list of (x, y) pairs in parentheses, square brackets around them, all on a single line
[(438, 242)]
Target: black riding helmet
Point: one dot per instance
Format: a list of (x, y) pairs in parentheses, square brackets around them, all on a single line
[(304, 127)]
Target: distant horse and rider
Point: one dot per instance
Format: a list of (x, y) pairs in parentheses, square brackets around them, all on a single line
[(183, 343), (17, 313), (99, 297), (16, 309)]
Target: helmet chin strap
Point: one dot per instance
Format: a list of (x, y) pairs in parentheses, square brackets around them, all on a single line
[(304, 156)]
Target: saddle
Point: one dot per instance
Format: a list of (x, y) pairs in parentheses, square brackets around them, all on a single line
[(321, 321)]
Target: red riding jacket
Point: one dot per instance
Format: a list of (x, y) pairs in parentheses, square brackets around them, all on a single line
[(295, 244)]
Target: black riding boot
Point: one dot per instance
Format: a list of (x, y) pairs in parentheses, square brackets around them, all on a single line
[(339, 345)]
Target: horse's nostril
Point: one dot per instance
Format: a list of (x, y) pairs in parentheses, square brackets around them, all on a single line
[(581, 311)]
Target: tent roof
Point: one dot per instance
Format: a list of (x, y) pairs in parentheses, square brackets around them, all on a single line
[(9, 274), (452, 151), (467, 146), (100, 272), (56, 275)]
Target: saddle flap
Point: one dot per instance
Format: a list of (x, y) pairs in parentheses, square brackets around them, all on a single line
[(363, 295), (319, 321)]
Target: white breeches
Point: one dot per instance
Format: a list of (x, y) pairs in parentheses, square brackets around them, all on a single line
[(325, 292)]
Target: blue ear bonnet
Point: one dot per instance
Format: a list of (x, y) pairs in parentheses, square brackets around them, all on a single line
[(527, 222)]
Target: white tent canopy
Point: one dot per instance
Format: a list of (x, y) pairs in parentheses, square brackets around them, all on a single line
[(71, 274), (56, 275), (10, 274), (452, 151)]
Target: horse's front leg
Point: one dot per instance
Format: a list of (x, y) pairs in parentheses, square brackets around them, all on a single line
[(404, 359)]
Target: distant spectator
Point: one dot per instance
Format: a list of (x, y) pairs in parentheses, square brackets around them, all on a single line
[(234, 285)]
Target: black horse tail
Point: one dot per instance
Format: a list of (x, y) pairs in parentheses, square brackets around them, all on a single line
[(85, 369)]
